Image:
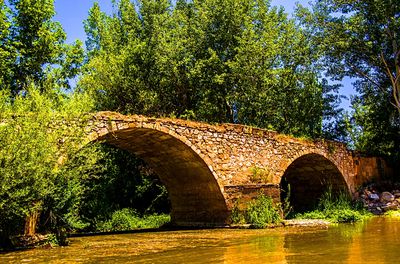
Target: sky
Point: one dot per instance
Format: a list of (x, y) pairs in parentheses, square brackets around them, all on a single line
[(72, 13)]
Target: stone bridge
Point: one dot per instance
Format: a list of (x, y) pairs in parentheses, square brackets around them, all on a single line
[(208, 168)]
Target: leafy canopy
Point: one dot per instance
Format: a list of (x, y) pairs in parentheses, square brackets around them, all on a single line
[(238, 61), (33, 48)]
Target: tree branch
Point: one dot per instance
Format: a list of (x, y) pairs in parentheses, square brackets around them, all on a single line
[(394, 79), (364, 75)]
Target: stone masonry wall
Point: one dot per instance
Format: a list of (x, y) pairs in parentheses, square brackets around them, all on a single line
[(244, 160)]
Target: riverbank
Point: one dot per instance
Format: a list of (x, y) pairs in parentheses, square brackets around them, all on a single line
[(379, 199)]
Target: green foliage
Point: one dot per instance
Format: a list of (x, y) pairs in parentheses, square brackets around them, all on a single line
[(128, 219), (33, 48), (124, 181), (260, 175), (287, 209), (262, 212), (237, 216), (361, 40), (337, 208), (45, 168), (393, 214), (218, 61), (33, 148), (259, 213)]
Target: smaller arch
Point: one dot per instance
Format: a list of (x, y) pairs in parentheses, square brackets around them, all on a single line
[(309, 176)]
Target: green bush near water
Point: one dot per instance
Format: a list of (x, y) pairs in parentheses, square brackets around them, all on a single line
[(129, 219), (259, 213), (262, 212), (336, 208)]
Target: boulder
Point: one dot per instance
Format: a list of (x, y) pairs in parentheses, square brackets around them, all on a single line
[(387, 197)]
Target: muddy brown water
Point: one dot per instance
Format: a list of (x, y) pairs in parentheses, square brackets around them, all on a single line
[(374, 241)]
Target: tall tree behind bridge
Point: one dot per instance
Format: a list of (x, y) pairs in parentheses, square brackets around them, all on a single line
[(361, 39), (218, 61)]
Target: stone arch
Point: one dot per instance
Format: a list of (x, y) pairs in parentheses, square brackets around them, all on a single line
[(195, 194), (309, 176)]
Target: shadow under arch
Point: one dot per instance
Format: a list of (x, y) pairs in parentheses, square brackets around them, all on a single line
[(309, 176), (195, 195)]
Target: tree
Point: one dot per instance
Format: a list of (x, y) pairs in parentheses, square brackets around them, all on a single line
[(217, 61), (360, 39), (37, 134), (33, 47), (7, 54)]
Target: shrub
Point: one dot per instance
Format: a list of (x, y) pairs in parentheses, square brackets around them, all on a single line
[(237, 217), (129, 219), (125, 219), (347, 216), (156, 220), (262, 212)]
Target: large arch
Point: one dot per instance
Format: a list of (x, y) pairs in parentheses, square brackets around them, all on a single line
[(195, 195), (309, 176)]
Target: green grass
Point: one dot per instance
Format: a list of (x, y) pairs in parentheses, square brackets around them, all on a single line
[(128, 219), (336, 208)]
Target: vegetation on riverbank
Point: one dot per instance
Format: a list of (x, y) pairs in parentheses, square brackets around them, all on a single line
[(259, 213), (393, 214), (337, 208), (128, 219)]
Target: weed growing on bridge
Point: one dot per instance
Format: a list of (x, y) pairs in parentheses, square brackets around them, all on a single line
[(260, 175)]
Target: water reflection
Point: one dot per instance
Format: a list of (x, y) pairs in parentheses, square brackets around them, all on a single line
[(376, 241)]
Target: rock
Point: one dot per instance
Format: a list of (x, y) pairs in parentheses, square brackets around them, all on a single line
[(306, 222), (373, 196), (397, 194), (389, 206), (376, 211), (387, 197)]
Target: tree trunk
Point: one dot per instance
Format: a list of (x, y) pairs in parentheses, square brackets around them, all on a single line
[(31, 221)]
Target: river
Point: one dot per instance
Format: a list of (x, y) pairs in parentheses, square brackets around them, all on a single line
[(374, 241)]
